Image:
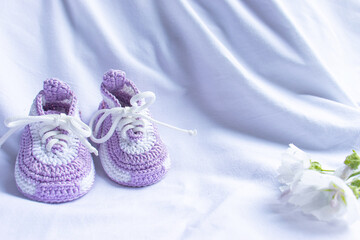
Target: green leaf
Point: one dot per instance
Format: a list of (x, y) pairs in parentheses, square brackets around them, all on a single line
[(353, 160), (355, 187), (355, 191), (356, 183)]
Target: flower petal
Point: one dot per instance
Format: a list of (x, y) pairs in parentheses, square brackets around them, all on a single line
[(293, 163), (314, 193)]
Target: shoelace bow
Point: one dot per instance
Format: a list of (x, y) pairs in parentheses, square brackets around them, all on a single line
[(127, 118), (51, 122)]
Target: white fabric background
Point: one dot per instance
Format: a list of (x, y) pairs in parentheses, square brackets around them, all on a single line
[(251, 76)]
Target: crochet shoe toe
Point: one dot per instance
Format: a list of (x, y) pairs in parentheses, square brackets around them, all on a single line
[(54, 163)]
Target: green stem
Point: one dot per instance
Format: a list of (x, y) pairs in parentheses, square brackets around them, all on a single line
[(327, 170), (353, 175)]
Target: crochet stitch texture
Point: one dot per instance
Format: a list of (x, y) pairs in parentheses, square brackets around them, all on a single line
[(139, 158), (63, 173)]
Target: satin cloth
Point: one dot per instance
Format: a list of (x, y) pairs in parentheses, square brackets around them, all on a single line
[(251, 76)]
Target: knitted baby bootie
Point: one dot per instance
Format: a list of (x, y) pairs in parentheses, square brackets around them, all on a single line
[(54, 163), (130, 148)]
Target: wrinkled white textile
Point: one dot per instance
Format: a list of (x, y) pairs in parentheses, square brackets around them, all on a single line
[(252, 76)]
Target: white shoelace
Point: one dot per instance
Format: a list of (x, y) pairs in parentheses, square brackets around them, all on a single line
[(52, 121), (127, 118)]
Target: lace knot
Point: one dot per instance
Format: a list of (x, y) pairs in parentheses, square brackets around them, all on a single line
[(49, 129), (129, 117)]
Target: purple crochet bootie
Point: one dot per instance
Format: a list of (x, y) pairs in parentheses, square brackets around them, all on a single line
[(130, 148), (54, 163)]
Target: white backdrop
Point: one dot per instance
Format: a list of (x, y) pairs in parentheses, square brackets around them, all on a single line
[(251, 76)]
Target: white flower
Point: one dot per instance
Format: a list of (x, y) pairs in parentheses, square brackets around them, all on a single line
[(326, 197), (343, 172), (294, 162)]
